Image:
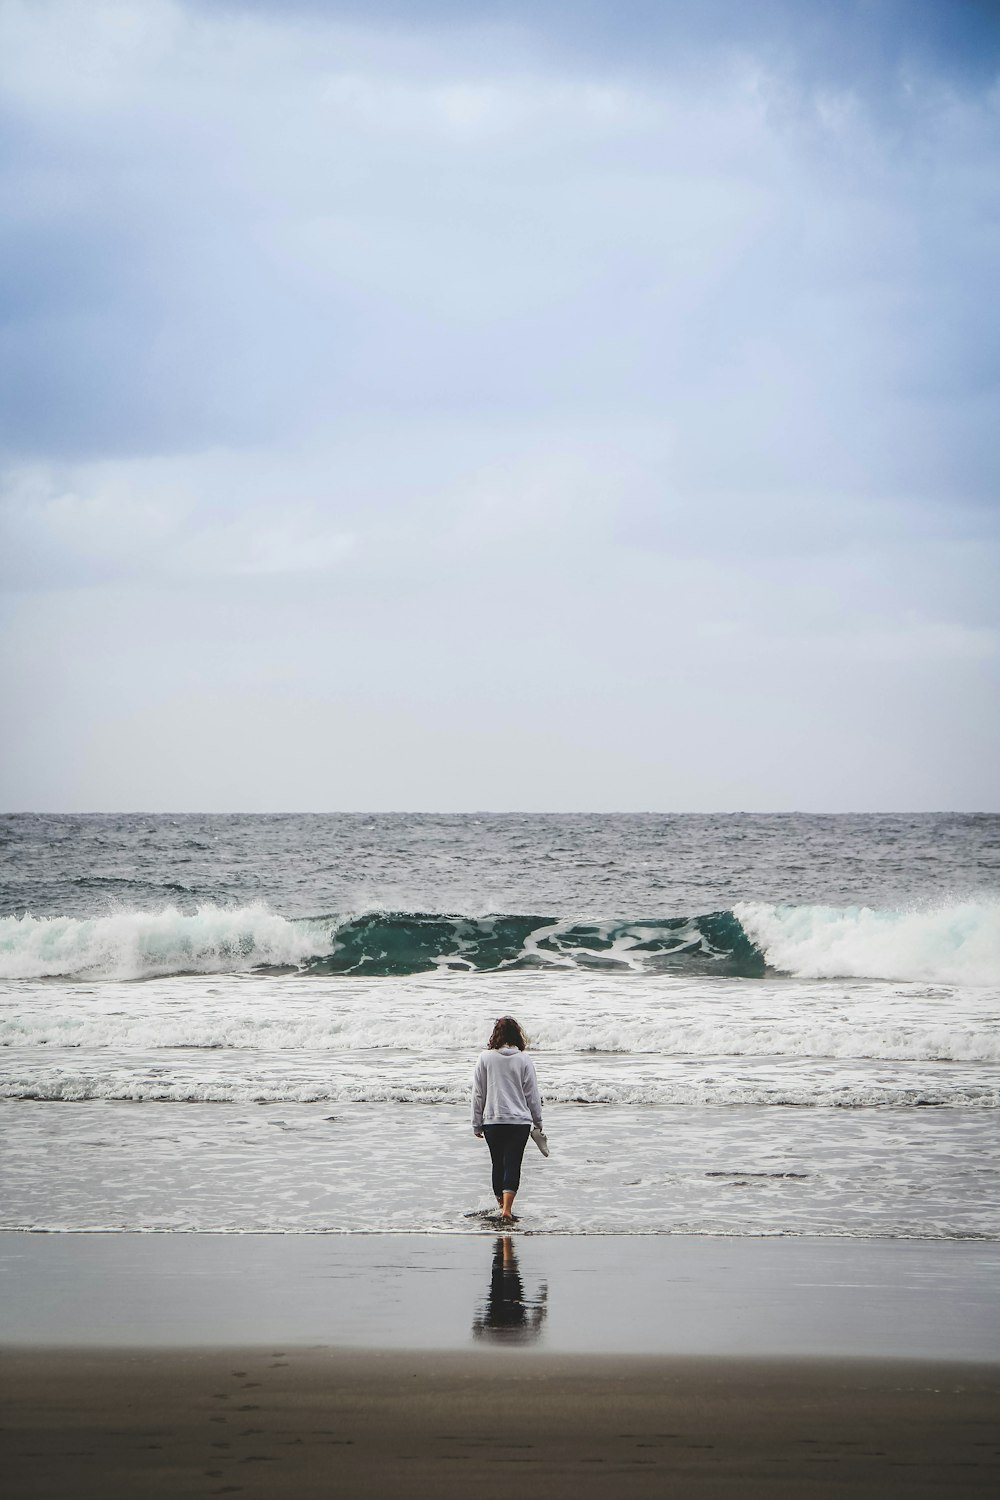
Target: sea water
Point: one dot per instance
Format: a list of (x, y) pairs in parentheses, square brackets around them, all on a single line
[(742, 1025)]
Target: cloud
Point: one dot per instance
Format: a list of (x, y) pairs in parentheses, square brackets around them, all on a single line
[(873, 42), (627, 349), (128, 521), (229, 227)]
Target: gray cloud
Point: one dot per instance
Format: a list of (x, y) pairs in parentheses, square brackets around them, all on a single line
[(864, 43), (614, 390)]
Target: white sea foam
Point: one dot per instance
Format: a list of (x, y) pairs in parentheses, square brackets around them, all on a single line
[(426, 1072), (135, 944), (942, 1040), (953, 944), (711, 1084)]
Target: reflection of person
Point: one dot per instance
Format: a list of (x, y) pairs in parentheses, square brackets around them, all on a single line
[(505, 1105), (506, 1315)]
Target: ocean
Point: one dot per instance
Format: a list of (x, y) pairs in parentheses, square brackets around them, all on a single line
[(742, 1024)]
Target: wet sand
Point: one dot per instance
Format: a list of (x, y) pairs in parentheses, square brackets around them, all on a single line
[(189, 1365), (664, 1295), (104, 1424)]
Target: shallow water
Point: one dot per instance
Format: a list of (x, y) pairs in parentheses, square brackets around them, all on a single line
[(411, 1168)]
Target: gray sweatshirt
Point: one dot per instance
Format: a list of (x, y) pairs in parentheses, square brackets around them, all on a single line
[(505, 1090)]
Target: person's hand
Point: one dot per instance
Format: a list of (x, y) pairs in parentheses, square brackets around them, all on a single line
[(478, 1134)]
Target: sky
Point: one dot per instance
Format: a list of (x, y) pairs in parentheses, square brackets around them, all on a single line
[(540, 406)]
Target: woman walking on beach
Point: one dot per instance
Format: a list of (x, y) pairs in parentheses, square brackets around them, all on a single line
[(505, 1105)]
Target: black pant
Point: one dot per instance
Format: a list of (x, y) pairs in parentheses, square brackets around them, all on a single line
[(506, 1143)]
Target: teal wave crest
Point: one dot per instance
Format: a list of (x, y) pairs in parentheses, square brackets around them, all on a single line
[(398, 943)]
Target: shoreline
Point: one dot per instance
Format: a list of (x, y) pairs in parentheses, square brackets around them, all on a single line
[(518, 1231)]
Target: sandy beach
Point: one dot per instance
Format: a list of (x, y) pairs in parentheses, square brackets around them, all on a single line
[(99, 1425), (429, 1365)]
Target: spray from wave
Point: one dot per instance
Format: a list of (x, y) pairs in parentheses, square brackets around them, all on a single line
[(955, 944), (142, 944)]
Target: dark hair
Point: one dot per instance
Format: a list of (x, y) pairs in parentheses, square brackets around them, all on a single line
[(507, 1033)]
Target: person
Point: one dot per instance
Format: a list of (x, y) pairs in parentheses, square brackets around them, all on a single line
[(505, 1105)]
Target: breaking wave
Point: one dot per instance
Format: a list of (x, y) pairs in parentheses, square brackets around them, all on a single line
[(954, 944)]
